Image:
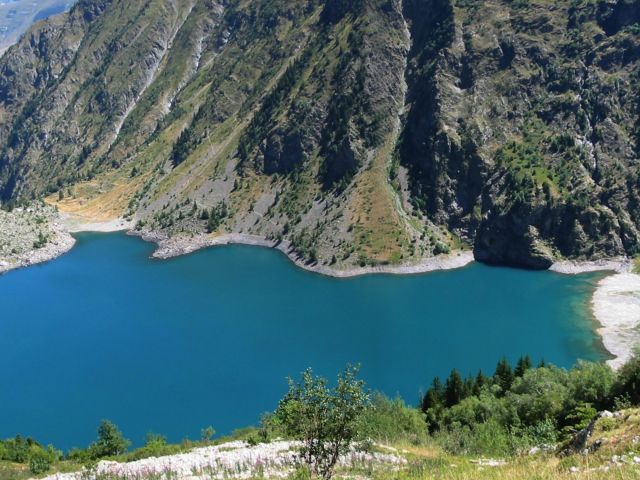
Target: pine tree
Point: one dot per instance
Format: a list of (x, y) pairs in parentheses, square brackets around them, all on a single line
[(480, 382), (503, 375), (453, 389), (110, 441), (524, 364), (434, 396), (469, 384)]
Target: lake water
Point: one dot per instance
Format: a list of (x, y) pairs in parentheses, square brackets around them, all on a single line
[(207, 339)]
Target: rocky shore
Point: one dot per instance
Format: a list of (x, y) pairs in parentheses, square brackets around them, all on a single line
[(616, 305), (176, 246), (572, 267), (229, 460), (31, 235), (76, 224)]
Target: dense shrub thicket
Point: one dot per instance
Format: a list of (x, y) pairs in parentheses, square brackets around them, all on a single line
[(109, 443), (515, 409)]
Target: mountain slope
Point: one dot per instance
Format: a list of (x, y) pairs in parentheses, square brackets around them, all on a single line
[(360, 132)]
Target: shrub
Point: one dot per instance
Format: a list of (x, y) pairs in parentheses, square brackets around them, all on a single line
[(628, 382), (529, 406), (591, 383), (155, 446), (325, 420), (40, 460), (539, 395), (578, 418), (489, 438), (391, 421)]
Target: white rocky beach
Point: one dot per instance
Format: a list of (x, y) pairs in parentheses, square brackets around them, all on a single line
[(616, 305), (237, 460)]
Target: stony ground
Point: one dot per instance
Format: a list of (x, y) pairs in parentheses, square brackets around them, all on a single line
[(30, 235), (230, 460)]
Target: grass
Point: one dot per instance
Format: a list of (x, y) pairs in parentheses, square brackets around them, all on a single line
[(426, 459), (380, 233), (636, 264)]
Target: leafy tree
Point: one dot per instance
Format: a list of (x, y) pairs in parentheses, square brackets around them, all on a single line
[(592, 383), (628, 383), (323, 419), (541, 394), (110, 441), (17, 449), (207, 434)]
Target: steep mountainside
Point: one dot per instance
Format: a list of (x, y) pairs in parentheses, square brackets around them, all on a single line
[(361, 132)]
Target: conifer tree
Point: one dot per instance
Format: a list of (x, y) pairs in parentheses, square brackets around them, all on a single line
[(453, 389), (480, 382), (434, 396), (503, 375), (524, 364)]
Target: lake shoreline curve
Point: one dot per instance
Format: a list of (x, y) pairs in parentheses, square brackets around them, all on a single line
[(177, 246), (615, 302)]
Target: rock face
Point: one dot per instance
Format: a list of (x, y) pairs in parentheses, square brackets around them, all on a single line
[(360, 132), (525, 134)]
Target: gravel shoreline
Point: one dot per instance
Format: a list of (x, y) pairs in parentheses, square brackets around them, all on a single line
[(616, 305), (574, 267), (54, 249), (23, 228), (173, 247)]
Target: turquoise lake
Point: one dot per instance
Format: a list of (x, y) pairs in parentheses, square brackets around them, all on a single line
[(176, 345)]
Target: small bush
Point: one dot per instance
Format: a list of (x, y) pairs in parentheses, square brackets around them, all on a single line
[(40, 461), (392, 421)]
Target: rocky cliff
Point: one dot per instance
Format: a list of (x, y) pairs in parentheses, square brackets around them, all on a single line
[(362, 132)]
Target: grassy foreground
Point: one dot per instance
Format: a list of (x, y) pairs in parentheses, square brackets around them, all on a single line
[(427, 460)]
